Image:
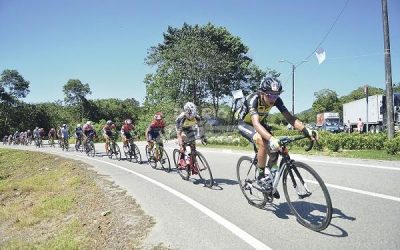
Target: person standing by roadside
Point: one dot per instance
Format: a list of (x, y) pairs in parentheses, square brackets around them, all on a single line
[(348, 127), (360, 126)]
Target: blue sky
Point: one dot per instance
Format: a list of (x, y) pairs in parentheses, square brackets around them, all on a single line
[(104, 43)]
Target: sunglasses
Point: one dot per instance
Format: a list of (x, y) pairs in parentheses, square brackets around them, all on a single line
[(272, 98)]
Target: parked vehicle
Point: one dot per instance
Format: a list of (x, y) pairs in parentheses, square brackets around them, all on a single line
[(377, 116), (329, 121)]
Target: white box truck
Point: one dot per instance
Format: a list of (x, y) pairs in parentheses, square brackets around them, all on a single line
[(354, 110)]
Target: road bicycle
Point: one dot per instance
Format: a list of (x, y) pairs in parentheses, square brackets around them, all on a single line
[(305, 192), (65, 144), (51, 142), (89, 147), (38, 142), (192, 162), (113, 150), (78, 144), (157, 154), (132, 152)]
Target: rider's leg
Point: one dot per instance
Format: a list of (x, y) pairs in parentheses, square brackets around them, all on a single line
[(262, 146), (106, 144)]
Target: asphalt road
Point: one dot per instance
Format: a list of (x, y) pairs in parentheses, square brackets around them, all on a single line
[(365, 196)]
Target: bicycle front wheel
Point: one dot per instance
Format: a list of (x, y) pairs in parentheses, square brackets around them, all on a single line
[(151, 159), (136, 153), (117, 151), (203, 169), (164, 160), (92, 150), (307, 196), (183, 171), (247, 174)]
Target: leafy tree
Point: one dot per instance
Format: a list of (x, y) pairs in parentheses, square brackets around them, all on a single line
[(75, 94), (12, 87), (197, 63), (359, 94), (326, 100)]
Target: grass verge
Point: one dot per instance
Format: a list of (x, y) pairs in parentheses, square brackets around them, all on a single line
[(48, 202)]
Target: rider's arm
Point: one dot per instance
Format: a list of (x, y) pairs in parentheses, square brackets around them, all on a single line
[(147, 133)]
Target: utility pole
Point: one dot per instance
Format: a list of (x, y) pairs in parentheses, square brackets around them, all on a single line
[(388, 72), (294, 66)]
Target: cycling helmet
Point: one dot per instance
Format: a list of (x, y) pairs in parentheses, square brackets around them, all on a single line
[(88, 123), (79, 125), (128, 121), (64, 125), (109, 122), (190, 109), (158, 116), (270, 85)]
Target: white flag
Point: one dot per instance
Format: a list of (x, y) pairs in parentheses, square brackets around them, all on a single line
[(321, 55), (237, 94)]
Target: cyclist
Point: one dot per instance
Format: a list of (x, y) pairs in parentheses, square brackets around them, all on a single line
[(87, 130), (52, 135), (153, 132), (78, 135), (29, 136), (252, 125), (64, 134), (126, 131), (186, 128), (107, 133)]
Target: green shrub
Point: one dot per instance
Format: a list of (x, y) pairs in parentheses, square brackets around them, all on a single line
[(392, 146)]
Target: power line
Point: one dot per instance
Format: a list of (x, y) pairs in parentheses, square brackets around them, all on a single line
[(326, 35)]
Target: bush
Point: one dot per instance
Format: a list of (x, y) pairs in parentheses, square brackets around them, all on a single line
[(392, 146)]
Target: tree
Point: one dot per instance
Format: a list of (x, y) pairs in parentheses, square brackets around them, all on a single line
[(12, 87), (198, 64), (75, 94), (326, 100), (396, 88)]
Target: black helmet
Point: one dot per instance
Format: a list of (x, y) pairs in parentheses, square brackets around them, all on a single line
[(271, 85)]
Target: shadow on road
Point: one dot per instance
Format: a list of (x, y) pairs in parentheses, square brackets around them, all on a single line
[(283, 211)]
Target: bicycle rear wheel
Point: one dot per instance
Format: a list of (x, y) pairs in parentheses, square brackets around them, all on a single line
[(150, 157), (136, 153), (203, 169), (92, 151), (183, 171), (307, 196), (164, 160), (117, 151), (247, 173)]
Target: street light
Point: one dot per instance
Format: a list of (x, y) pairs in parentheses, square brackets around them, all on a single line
[(294, 66)]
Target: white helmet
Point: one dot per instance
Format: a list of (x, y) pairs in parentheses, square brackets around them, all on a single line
[(88, 123), (190, 109), (79, 125)]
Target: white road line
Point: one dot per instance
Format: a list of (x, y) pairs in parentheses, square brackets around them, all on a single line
[(383, 196), (216, 217)]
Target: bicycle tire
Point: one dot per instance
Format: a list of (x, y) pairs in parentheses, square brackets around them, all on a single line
[(204, 171), (165, 162), (117, 151), (92, 149), (109, 151), (183, 172), (175, 157), (150, 157), (247, 174), (317, 215), (136, 154)]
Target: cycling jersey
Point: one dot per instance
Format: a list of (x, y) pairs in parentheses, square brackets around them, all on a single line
[(107, 129), (156, 126), (78, 131), (253, 105), (183, 123)]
